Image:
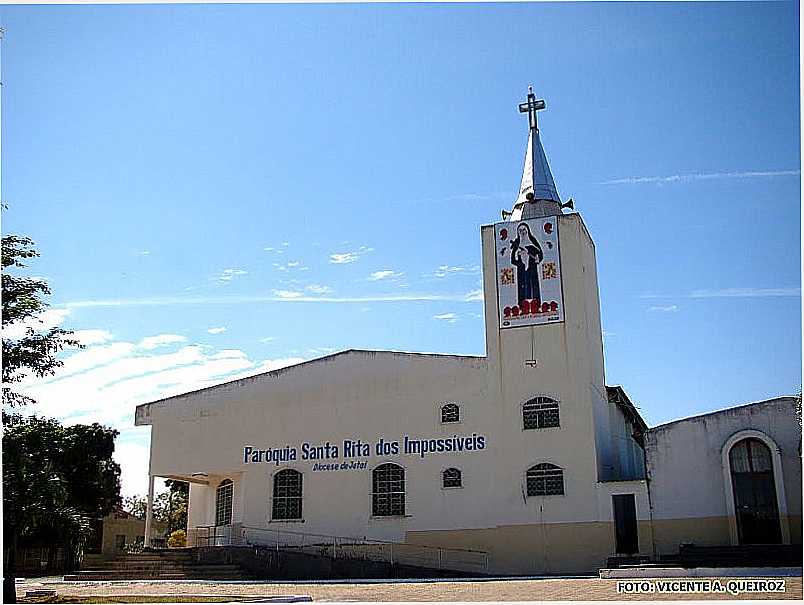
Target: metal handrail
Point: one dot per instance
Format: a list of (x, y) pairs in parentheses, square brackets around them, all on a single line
[(422, 555)]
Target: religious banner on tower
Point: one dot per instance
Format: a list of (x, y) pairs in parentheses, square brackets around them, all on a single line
[(528, 272)]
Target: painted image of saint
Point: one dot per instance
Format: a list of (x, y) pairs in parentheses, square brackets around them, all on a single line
[(526, 254)]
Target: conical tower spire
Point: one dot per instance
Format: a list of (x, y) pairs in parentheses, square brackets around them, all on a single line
[(538, 195)]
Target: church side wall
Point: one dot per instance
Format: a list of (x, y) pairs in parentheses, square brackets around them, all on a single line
[(684, 464)]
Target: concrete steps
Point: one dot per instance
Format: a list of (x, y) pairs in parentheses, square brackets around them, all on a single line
[(154, 565)]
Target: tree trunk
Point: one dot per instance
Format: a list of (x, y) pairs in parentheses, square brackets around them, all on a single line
[(9, 579)]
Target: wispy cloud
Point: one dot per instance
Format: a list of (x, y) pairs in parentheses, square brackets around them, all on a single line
[(446, 317), (44, 321), (292, 265), (318, 289), (746, 293), (228, 275), (728, 293), (288, 294), (217, 330), (663, 308), (447, 270), (701, 176), (342, 258), (161, 340), (278, 296), (92, 337), (385, 274)]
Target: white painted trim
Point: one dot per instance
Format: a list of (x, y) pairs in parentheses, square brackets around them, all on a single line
[(778, 479)]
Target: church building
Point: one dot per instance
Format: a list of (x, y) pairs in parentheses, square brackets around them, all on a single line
[(523, 458)]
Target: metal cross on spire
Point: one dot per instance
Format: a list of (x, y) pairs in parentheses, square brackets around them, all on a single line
[(531, 106)]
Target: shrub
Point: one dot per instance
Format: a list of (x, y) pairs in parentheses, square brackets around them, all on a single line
[(178, 539)]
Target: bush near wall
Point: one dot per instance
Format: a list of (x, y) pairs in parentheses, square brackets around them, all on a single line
[(178, 539)]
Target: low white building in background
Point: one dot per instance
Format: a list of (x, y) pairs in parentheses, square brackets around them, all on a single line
[(727, 478), (524, 453)]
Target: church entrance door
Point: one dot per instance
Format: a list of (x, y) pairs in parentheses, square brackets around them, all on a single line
[(754, 493)]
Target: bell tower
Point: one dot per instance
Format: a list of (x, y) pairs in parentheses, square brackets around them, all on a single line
[(543, 328)]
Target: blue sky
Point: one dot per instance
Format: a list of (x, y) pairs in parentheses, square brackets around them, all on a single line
[(190, 172)]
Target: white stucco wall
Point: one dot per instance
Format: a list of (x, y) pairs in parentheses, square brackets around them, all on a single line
[(686, 472)]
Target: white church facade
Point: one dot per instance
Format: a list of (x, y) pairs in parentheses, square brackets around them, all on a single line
[(524, 454)]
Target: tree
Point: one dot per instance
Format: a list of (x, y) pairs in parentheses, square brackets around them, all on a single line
[(170, 507), (55, 480), (178, 498), (136, 505), (35, 351)]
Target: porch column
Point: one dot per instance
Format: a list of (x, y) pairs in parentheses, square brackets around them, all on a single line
[(149, 511)]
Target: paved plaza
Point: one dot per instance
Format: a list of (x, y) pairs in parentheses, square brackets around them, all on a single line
[(541, 589)]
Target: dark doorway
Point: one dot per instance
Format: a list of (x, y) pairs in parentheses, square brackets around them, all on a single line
[(625, 524), (755, 503), (94, 543)]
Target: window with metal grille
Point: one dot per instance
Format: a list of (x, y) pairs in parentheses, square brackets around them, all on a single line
[(287, 502), (450, 412), (545, 480), (388, 491), (451, 477), (223, 503), (540, 413)]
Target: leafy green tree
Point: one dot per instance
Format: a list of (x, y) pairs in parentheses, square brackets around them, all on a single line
[(136, 505), (55, 480), (178, 496), (170, 507), (35, 351)]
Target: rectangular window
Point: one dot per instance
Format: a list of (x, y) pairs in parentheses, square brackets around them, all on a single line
[(388, 491), (287, 501)]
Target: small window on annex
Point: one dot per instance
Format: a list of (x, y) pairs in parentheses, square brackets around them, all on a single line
[(287, 501), (388, 491), (540, 413), (223, 503), (451, 478), (545, 480), (450, 412)]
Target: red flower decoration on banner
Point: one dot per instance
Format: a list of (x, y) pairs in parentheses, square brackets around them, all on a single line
[(548, 228), (503, 234), (545, 307)]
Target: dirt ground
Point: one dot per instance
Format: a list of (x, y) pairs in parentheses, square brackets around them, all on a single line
[(542, 589)]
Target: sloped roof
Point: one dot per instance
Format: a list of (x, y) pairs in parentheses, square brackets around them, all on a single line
[(278, 372), (737, 408), (618, 396)]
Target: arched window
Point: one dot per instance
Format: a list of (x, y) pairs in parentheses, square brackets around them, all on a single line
[(388, 491), (545, 480), (754, 488), (287, 501), (450, 412), (540, 413), (223, 503), (451, 478)]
